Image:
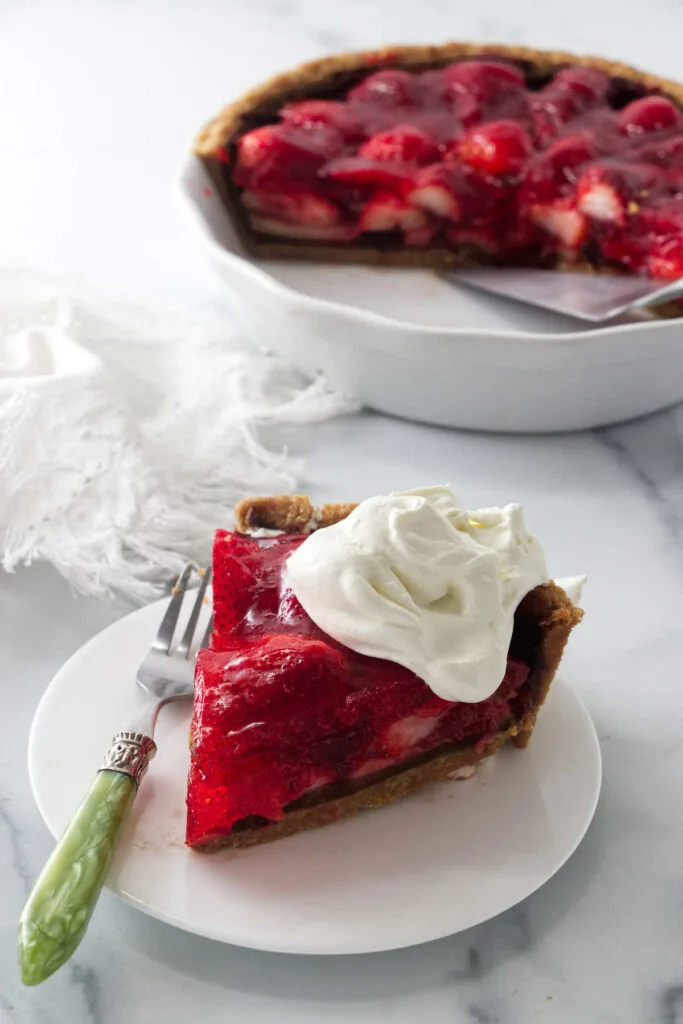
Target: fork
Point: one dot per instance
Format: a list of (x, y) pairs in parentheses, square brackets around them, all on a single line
[(58, 911)]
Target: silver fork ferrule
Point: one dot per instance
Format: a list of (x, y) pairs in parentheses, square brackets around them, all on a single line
[(130, 753)]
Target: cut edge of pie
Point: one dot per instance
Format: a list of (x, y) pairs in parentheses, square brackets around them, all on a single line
[(543, 623), (328, 74)]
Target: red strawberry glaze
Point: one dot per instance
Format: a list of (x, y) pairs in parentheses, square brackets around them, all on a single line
[(281, 708), (479, 153)]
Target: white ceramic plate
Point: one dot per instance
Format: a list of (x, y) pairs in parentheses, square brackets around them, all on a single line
[(443, 860), (405, 342)]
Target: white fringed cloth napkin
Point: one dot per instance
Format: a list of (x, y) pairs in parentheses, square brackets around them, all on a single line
[(127, 434)]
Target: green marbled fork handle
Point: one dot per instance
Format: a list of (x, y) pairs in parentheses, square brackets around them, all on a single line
[(60, 906)]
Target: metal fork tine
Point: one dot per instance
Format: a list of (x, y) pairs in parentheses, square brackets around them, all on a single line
[(163, 639), (183, 648), (207, 634)]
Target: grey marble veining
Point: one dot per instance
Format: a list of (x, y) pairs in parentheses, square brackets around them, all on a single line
[(601, 942), (652, 451)]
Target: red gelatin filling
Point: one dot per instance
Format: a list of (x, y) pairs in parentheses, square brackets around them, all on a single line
[(472, 154), (282, 709)]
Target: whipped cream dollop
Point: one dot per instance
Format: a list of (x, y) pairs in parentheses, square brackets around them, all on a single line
[(415, 578)]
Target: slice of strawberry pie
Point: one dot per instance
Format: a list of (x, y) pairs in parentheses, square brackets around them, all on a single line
[(359, 653), (457, 154)]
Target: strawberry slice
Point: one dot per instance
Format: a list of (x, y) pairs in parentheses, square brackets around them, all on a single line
[(284, 675), (516, 674), (589, 84), (234, 562), (562, 221), (278, 153), (434, 89), (483, 90), (295, 208), (599, 199), (486, 80), (386, 212), (389, 88), (370, 766), (232, 568), (435, 190), (497, 148), (554, 173), (239, 565), (650, 242), (404, 143), (358, 172), (304, 232), (654, 242), (609, 192), (665, 261), (318, 780), (401, 737), (311, 113), (572, 93), (649, 114)]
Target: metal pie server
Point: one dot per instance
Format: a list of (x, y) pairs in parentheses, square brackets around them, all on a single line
[(595, 298), (57, 913)]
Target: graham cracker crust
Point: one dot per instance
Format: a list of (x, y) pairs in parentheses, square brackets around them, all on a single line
[(543, 622)]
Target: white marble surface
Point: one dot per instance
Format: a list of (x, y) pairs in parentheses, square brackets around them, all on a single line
[(99, 101)]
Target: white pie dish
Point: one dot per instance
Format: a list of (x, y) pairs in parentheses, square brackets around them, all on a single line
[(385, 336)]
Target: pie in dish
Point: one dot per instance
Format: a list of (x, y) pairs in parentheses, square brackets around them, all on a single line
[(292, 729), (457, 155)]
